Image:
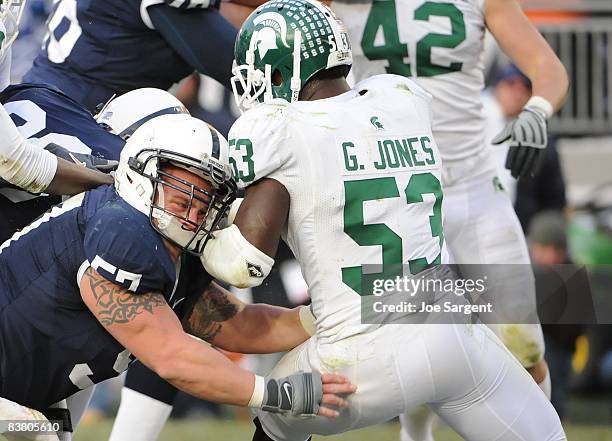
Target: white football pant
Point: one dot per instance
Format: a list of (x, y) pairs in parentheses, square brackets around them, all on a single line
[(463, 372)]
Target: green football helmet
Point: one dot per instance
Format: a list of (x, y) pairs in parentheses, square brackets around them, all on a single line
[(293, 38), (10, 16)]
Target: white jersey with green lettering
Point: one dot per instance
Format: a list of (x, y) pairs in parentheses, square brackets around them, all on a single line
[(363, 175), (437, 43)]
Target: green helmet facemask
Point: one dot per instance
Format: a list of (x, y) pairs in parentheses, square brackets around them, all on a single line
[(290, 40)]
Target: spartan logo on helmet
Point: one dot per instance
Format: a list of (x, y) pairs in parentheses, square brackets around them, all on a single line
[(281, 46), (268, 26)]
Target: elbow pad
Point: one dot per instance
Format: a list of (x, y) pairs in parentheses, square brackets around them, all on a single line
[(231, 258)]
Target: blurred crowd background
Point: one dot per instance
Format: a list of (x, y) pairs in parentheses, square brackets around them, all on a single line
[(566, 211)]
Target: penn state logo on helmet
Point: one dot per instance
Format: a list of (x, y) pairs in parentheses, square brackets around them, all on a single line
[(283, 44)]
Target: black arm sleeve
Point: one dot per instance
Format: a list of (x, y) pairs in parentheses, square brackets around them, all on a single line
[(202, 37)]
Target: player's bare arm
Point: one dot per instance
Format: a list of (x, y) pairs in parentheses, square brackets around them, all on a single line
[(236, 11), (527, 133), (72, 179), (149, 329), (224, 321), (263, 213), (521, 41)]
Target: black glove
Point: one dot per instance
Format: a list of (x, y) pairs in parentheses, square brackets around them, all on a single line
[(89, 161), (528, 139), (298, 394)]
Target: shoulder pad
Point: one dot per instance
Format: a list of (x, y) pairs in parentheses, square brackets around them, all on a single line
[(397, 82)]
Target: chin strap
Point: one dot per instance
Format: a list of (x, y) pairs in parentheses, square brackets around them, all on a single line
[(296, 83)]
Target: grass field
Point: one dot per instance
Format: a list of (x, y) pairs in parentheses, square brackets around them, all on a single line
[(234, 430)]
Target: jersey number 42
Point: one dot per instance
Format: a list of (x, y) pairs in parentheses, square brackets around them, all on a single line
[(383, 15)]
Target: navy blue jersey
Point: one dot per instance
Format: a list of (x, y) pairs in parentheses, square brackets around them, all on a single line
[(45, 113), (51, 345), (97, 48)]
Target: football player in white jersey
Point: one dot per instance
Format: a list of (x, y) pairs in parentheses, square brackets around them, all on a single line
[(351, 177), (22, 162), (440, 45)]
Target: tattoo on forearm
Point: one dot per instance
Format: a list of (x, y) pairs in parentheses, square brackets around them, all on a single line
[(118, 305), (212, 308)]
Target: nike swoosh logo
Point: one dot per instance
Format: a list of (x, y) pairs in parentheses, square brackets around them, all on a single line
[(286, 387)]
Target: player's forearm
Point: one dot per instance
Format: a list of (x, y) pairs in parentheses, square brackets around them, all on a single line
[(194, 367), (72, 179), (549, 79), (236, 13), (526, 47), (261, 329)]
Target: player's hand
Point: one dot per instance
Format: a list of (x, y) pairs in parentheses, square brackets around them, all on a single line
[(89, 161), (334, 386), (528, 139), (304, 393)]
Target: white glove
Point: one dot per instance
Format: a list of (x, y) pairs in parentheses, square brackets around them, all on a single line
[(528, 139)]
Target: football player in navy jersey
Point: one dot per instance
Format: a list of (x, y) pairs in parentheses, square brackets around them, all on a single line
[(97, 48), (26, 164), (103, 289), (45, 115)]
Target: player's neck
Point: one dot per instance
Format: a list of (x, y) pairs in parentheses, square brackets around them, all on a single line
[(326, 89), (172, 249)]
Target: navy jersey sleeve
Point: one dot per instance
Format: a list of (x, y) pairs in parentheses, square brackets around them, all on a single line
[(122, 247), (210, 52)]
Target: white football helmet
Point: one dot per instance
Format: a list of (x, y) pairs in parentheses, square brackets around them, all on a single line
[(10, 16), (188, 143), (123, 115)]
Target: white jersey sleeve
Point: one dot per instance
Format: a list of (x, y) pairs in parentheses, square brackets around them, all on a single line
[(22, 162), (258, 143)]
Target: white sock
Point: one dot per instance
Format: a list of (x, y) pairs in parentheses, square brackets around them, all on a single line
[(140, 417)]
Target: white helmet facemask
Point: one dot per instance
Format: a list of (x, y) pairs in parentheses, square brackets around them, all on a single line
[(253, 82), (179, 228), (148, 174), (10, 16)]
